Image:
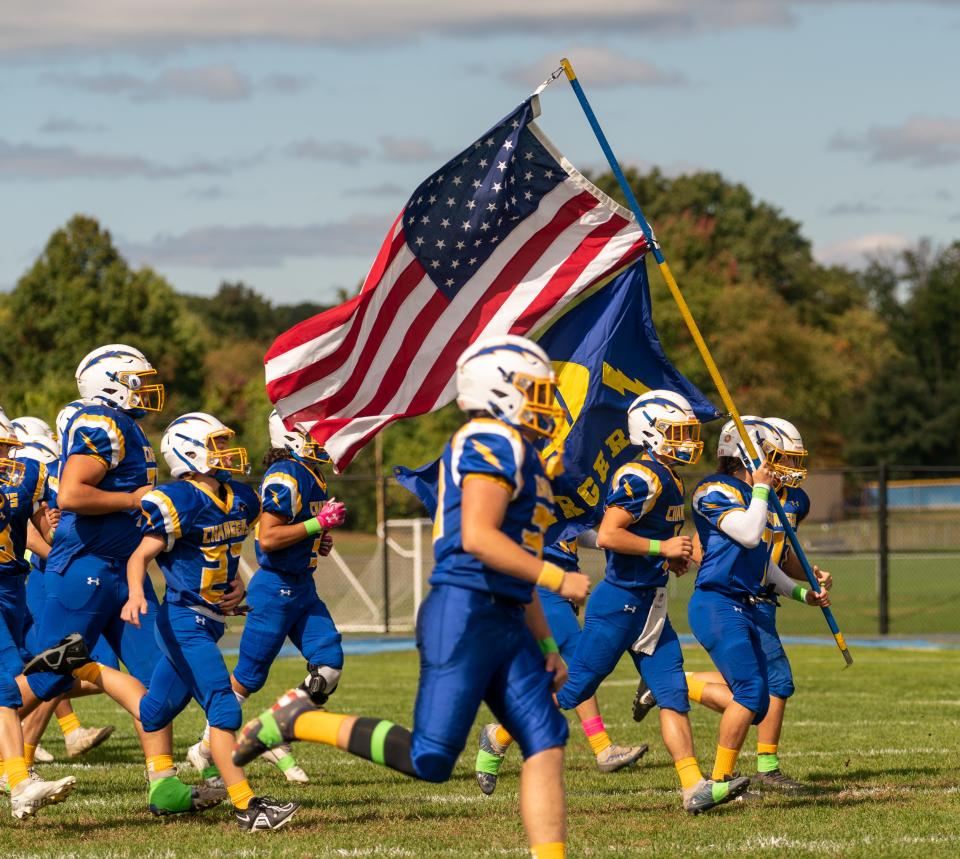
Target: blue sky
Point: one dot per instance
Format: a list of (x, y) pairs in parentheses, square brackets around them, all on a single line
[(274, 143)]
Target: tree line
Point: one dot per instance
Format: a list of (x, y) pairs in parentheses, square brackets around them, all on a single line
[(864, 362)]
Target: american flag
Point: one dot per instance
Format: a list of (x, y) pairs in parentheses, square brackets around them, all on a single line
[(500, 239)]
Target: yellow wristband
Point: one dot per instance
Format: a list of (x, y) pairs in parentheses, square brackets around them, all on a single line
[(551, 577)]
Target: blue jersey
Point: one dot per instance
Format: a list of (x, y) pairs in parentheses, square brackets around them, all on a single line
[(796, 504), (22, 502), (50, 496), (652, 493), (727, 566), (563, 553), (7, 553), (113, 438), (204, 536), (488, 449), (295, 493)]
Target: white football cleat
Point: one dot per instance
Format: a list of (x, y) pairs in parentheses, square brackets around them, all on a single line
[(42, 756), (200, 758), (83, 739), (30, 796), (282, 758)]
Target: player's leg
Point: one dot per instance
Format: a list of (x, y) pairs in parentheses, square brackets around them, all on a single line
[(520, 694), (725, 628), (663, 672), (80, 739), (780, 682), (459, 650), (703, 687)]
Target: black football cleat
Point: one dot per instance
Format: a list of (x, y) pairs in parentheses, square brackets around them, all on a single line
[(63, 658)]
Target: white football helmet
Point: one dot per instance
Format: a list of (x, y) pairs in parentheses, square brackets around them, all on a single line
[(117, 376), (298, 441), (66, 414), (196, 443), (11, 471), (664, 422), (765, 439), (510, 378), (38, 440), (793, 454)]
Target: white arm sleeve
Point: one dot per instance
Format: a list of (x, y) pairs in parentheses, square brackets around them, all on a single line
[(746, 526), (782, 583), (587, 539)]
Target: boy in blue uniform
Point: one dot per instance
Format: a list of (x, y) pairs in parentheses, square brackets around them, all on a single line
[(292, 535), (22, 484), (640, 532), (561, 616), (735, 577), (708, 687), (478, 629), (40, 444), (194, 528), (107, 467)]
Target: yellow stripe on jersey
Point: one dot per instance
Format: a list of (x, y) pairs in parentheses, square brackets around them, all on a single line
[(493, 478), (41, 486), (731, 492), (438, 516), (648, 476), (168, 510), (109, 425), (280, 478), (226, 505)]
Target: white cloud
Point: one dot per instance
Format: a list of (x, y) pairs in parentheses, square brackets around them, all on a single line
[(86, 25), (597, 67), (338, 151), (858, 251), (30, 162), (406, 149), (207, 83), (921, 141), (261, 245), (68, 125)]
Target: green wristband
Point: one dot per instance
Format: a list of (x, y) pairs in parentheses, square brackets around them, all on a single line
[(548, 645), (654, 548), (800, 594), (313, 526), (761, 492)]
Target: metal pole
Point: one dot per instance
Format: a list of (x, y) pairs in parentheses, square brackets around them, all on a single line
[(883, 547), (381, 485)]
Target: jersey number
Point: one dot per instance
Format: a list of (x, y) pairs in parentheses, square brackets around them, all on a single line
[(216, 575)]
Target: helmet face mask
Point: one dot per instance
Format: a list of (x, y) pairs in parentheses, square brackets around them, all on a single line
[(540, 411), (664, 422), (789, 456), (149, 398), (11, 471), (221, 457)]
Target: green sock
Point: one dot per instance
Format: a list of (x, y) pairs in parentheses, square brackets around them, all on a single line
[(286, 762), (210, 772), (488, 763), (767, 763), (170, 794)]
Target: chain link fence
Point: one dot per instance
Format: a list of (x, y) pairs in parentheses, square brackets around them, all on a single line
[(896, 565)]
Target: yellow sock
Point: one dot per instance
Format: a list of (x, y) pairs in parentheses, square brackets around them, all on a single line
[(695, 688), (158, 764), (316, 726), (29, 753), (16, 770), (502, 736), (550, 850), (689, 771), (240, 794), (89, 672), (69, 723), (725, 763), (598, 742), (767, 748)]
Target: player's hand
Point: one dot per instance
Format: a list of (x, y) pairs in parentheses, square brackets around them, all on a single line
[(679, 566), (233, 596), (52, 515), (821, 599), (137, 496), (332, 514), (765, 474), (677, 548), (555, 665), (135, 606), (326, 544), (824, 577), (575, 587)]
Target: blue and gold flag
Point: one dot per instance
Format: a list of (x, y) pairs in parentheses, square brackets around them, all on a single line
[(605, 352)]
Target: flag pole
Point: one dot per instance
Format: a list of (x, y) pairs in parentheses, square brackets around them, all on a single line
[(700, 342)]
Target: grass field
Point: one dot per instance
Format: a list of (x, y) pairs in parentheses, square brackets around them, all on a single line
[(876, 743)]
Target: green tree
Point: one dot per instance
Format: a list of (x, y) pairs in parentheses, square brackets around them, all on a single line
[(81, 294)]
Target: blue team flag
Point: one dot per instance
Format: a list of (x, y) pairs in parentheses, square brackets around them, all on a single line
[(605, 352)]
